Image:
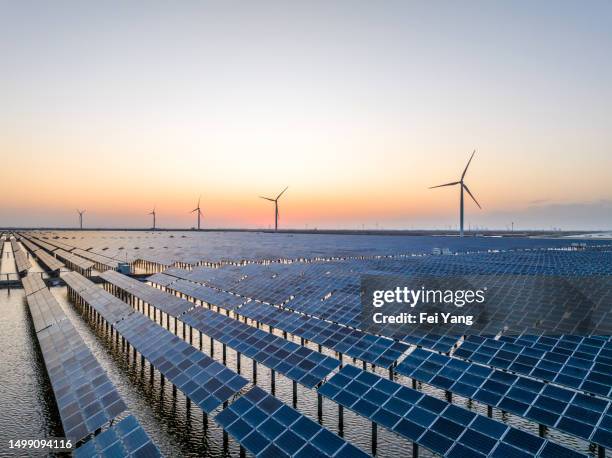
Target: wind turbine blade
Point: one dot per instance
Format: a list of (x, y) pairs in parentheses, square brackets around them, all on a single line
[(473, 198), (447, 184), (267, 198), (278, 197), (195, 209), (468, 164)]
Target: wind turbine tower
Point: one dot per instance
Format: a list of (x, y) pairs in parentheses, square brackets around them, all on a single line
[(80, 212), (462, 186), (197, 209), (275, 206), (154, 215)]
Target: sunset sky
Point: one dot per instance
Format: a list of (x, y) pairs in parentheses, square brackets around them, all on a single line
[(357, 106)]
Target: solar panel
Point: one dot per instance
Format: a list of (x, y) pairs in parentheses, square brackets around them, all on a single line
[(296, 362), (125, 438), (73, 261), (441, 427), (208, 295), (48, 261), (203, 380), (166, 302), (591, 376), (86, 398), (109, 306), (564, 409), (32, 284), (267, 427), (380, 351), (161, 279), (44, 309)]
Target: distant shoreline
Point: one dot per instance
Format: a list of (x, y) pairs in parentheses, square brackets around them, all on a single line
[(603, 234)]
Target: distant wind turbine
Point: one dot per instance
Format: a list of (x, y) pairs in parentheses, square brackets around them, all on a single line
[(275, 206), (462, 186), (80, 212), (154, 214), (197, 209)]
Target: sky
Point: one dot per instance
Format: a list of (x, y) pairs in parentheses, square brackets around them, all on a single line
[(357, 106)]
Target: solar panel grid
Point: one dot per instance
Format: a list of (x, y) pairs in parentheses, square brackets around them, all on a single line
[(380, 351), (203, 380), (267, 427), (161, 300), (32, 284), (85, 397), (124, 439), (441, 427), (564, 409), (298, 363), (590, 376), (44, 309), (207, 294)]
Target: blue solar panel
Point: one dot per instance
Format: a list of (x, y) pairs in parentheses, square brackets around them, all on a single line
[(441, 427), (126, 438), (161, 300), (571, 412), (267, 427), (298, 363), (203, 380), (380, 351), (86, 398), (591, 376)]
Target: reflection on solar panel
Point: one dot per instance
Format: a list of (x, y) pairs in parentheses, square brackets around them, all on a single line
[(298, 363), (590, 376), (267, 427), (209, 295), (380, 351), (85, 397), (571, 412), (33, 283), (202, 379), (441, 427), (44, 309), (126, 438), (168, 303)]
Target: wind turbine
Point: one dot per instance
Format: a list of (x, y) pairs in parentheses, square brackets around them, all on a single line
[(80, 212), (462, 186), (199, 211), (154, 214), (275, 206)]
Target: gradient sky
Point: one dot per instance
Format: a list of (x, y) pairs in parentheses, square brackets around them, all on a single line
[(358, 106)]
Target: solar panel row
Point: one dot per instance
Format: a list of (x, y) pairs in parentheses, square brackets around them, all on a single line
[(296, 362), (267, 427), (203, 380), (441, 427), (85, 397), (48, 261), (380, 351), (590, 348), (75, 262), (580, 415), (590, 376), (124, 439), (168, 303)]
